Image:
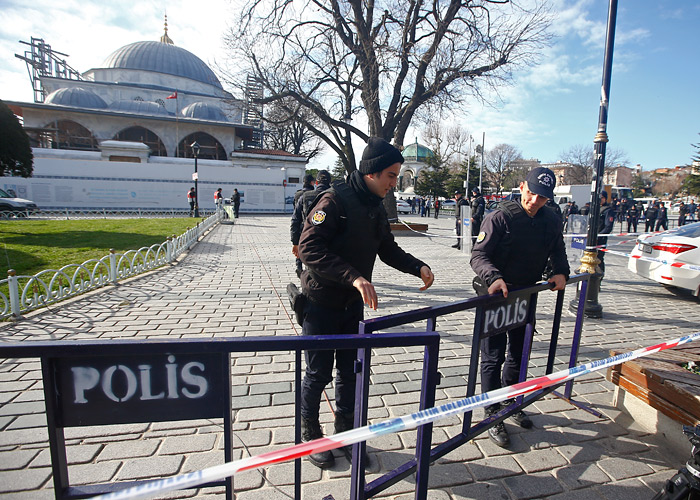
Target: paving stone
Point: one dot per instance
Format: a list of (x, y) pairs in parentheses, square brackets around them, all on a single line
[(581, 476), (16, 459), (540, 460), (623, 468), (630, 489), (151, 467), (181, 445), (480, 491), (23, 480), (493, 468), (92, 473), (539, 485), (129, 449), (23, 437), (589, 451)]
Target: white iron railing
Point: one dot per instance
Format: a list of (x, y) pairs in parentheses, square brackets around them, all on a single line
[(27, 293), (74, 213)]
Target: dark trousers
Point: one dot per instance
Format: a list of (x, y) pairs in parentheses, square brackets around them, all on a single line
[(235, 210), (632, 224), (458, 227), (319, 320), (505, 351), (650, 224), (662, 223)]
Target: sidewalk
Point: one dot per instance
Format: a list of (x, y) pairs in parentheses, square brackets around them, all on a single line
[(233, 284)]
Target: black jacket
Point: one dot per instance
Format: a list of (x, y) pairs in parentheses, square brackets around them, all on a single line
[(478, 206), (340, 241), (517, 247), (301, 205)]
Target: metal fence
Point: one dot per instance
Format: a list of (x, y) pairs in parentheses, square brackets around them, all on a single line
[(21, 294)]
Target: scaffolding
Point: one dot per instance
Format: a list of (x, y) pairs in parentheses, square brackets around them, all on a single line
[(43, 61), (254, 110)]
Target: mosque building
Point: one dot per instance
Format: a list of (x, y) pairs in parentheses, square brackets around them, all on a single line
[(120, 136)]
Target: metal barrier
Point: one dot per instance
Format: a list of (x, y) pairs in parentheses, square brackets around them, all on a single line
[(75, 372), (101, 213), (490, 310), (26, 293), (494, 314)]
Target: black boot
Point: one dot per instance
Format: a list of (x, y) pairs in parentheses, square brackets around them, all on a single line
[(310, 430), (497, 433), (345, 423), (519, 417)]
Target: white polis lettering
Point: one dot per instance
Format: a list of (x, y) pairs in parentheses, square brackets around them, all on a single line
[(194, 385), (107, 386), (506, 315)]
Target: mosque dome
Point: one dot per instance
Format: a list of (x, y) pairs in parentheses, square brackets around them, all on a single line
[(204, 111), (417, 152), (76, 97), (162, 57)]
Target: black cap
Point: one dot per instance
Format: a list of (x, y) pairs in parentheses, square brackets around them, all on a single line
[(541, 181), (475, 190), (308, 178), (323, 177), (604, 194), (378, 155)]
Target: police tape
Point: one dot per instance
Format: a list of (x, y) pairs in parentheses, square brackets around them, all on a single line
[(584, 235), (680, 265), (219, 472)]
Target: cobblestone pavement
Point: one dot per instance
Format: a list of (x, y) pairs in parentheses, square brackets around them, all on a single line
[(232, 284)]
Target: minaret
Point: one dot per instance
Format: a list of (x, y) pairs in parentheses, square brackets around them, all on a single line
[(165, 38)]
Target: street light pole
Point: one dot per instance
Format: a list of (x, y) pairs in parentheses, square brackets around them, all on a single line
[(590, 261), (195, 152)]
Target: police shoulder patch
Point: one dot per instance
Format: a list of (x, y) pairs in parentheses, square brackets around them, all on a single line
[(481, 237), (318, 217)]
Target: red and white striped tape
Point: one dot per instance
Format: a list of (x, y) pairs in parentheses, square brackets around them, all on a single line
[(152, 488)]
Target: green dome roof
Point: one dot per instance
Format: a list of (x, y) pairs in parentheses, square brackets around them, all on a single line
[(417, 152)]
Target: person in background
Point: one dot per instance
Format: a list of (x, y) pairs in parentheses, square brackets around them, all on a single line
[(297, 222), (301, 211), (650, 215), (460, 201), (478, 206), (236, 199), (192, 200), (218, 199), (632, 217), (692, 209), (662, 217)]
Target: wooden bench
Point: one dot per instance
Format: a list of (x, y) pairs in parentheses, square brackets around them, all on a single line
[(659, 395)]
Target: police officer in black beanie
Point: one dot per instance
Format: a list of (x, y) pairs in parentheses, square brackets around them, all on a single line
[(344, 232)]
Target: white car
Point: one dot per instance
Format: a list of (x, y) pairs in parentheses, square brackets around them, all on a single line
[(449, 204), (402, 207), (681, 245), (12, 206)]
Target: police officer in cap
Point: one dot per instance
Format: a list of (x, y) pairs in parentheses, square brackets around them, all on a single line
[(512, 250), (301, 210), (478, 206), (344, 232)]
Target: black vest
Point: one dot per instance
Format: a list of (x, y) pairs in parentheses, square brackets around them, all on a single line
[(361, 231)]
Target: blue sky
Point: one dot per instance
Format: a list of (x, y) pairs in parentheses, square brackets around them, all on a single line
[(654, 100)]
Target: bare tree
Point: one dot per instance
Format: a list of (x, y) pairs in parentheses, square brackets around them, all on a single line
[(499, 164), (581, 161), (447, 141), (383, 61), (285, 129)]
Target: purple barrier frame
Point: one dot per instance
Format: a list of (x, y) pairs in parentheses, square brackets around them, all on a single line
[(469, 432)]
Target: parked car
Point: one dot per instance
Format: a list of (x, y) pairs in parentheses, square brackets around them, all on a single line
[(449, 204), (402, 207), (11, 205), (672, 247)]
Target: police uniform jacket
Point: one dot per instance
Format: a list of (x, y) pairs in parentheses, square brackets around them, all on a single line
[(516, 247), (343, 234)]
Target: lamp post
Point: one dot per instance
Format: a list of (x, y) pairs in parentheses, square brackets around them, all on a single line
[(590, 261), (195, 152)]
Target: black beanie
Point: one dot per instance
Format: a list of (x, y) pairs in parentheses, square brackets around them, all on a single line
[(378, 155)]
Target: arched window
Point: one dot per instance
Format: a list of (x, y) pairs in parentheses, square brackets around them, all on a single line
[(141, 134), (67, 134), (209, 147)]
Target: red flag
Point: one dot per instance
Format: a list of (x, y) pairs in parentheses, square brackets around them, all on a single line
[(172, 96)]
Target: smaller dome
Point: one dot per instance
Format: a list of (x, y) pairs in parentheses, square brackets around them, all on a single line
[(77, 97), (204, 111), (417, 152), (139, 107)]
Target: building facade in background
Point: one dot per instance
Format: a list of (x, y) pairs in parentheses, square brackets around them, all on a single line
[(119, 136)]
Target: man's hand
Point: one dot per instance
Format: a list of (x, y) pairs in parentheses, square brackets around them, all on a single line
[(499, 285), (559, 281), (427, 276), (366, 289), (295, 250)]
